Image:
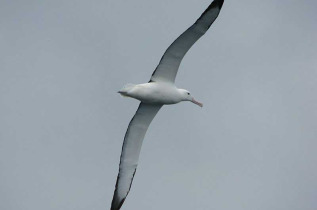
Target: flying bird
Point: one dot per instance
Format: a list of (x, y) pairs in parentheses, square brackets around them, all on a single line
[(160, 90)]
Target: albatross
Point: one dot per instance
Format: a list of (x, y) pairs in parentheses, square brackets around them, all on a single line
[(160, 90)]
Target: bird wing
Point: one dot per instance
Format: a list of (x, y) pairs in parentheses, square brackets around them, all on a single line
[(169, 63), (130, 151)]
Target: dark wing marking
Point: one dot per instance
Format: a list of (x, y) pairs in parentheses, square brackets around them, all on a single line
[(131, 150), (169, 63)]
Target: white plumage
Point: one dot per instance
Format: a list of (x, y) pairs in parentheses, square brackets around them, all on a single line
[(153, 95)]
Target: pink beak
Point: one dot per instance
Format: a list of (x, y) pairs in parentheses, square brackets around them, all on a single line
[(196, 102)]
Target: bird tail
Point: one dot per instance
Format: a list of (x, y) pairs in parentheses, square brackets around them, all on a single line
[(124, 91)]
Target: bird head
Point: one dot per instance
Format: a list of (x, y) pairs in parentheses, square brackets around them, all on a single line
[(186, 96)]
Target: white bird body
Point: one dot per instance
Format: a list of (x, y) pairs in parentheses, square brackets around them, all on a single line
[(160, 90), (157, 93)]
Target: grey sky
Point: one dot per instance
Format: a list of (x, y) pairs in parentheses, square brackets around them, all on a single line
[(252, 146)]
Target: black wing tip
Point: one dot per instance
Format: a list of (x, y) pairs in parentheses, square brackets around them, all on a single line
[(218, 3), (116, 204), (215, 3)]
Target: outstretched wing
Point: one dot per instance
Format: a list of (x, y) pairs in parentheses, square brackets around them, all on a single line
[(130, 151), (169, 63)]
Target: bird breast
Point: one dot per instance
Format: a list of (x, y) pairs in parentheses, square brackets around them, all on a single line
[(156, 93)]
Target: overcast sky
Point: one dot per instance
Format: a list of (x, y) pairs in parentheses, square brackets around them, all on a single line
[(252, 146)]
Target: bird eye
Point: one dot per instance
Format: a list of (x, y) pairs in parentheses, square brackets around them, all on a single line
[(188, 93)]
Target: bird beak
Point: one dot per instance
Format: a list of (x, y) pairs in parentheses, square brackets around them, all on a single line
[(196, 102)]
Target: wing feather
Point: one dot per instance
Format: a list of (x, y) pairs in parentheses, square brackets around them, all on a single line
[(169, 63), (131, 150)]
